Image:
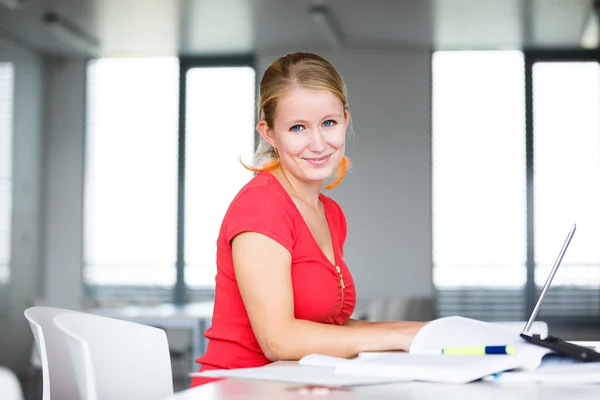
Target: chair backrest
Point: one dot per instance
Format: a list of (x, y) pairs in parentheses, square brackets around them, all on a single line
[(58, 381), (116, 359), (10, 388)]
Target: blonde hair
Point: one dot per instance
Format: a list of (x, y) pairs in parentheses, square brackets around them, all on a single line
[(308, 71)]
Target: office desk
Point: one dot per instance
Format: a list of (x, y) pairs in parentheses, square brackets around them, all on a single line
[(229, 389), (240, 389), (194, 316)]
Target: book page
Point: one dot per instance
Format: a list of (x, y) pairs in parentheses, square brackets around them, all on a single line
[(300, 374), (460, 331), (429, 368)]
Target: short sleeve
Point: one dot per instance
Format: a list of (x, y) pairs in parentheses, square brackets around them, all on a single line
[(264, 210)]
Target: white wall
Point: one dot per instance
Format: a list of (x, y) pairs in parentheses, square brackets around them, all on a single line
[(63, 177), (387, 195), (47, 193), (16, 340)]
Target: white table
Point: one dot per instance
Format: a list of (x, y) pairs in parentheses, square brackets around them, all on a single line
[(228, 389), (193, 316), (246, 389)]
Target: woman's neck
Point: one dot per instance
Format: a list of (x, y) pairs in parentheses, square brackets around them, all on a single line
[(307, 192)]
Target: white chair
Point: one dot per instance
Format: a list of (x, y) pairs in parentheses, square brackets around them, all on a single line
[(58, 381), (10, 389), (116, 359)]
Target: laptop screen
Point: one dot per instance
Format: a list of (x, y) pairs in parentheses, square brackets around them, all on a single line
[(538, 305)]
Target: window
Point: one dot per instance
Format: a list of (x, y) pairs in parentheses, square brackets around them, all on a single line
[(479, 182), (159, 178), (504, 197), (130, 213), (6, 121), (219, 130), (566, 139)]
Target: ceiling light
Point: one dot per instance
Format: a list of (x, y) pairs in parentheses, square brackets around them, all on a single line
[(590, 35), (328, 25), (70, 34), (12, 4)]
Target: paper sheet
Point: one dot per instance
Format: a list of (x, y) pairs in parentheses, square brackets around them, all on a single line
[(299, 374)]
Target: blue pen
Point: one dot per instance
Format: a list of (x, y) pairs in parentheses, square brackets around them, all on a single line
[(478, 350)]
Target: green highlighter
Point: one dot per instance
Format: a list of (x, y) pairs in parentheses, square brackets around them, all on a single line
[(478, 350)]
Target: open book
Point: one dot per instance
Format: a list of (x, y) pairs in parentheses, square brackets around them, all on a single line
[(460, 331), (425, 361)]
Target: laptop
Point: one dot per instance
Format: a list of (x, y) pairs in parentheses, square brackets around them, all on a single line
[(560, 346)]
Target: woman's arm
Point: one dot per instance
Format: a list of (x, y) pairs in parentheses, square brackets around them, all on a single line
[(397, 324), (263, 272)]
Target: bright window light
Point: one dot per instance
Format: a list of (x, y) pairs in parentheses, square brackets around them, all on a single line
[(131, 172), (566, 110), (219, 129), (479, 169)]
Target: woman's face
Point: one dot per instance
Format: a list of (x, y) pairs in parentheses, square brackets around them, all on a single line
[(309, 133)]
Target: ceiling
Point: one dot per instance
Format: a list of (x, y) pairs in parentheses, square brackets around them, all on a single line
[(209, 27)]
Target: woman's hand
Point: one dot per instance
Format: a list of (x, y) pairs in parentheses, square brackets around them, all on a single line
[(405, 330)]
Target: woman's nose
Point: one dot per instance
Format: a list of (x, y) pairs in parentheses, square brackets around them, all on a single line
[(317, 143)]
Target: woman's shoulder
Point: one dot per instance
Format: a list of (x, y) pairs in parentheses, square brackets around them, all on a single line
[(331, 204), (261, 206), (262, 191)]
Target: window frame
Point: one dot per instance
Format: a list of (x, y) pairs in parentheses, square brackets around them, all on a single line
[(181, 292), (462, 298), (479, 301), (531, 292)]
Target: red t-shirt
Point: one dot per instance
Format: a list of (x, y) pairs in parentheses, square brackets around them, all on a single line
[(263, 206)]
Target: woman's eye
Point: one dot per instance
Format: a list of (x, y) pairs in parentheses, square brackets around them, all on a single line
[(329, 123), (296, 128)]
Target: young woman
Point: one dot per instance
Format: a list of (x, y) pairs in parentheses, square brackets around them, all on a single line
[(283, 289)]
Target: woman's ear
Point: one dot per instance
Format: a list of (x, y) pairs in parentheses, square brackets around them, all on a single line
[(265, 132), (347, 116)]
